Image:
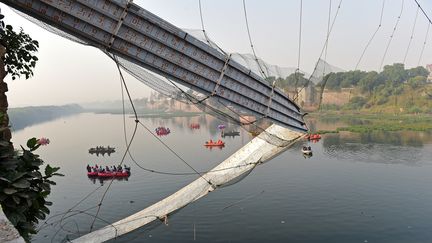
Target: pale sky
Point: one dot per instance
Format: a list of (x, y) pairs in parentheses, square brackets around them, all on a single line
[(71, 73)]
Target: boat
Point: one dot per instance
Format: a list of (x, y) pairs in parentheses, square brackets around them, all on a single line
[(102, 173), (194, 126), (92, 173), (313, 137), (306, 150), (230, 134), (101, 150), (113, 174), (211, 143), (162, 131)]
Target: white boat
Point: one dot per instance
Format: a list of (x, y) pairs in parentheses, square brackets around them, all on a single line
[(306, 150)]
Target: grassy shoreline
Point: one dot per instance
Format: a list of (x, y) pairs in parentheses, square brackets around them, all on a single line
[(367, 122)]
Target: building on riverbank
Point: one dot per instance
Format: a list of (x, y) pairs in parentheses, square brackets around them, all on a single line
[(429, 68)]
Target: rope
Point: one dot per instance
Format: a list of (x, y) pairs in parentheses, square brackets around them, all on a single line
[(391, 36), (373, 36)]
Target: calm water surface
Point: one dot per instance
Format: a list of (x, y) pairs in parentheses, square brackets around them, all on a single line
[(355, 188)]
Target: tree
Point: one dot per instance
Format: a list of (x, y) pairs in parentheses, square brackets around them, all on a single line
[(17, 59), (23, 188), (367, 83), (416, 82), (396, 73), (417, 71)]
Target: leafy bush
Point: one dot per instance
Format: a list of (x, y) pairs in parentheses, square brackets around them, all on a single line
[(23, 188)]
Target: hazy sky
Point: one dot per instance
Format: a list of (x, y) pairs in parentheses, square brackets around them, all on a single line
[(70, 73)]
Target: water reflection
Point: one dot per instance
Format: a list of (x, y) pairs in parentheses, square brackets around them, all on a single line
[(323, 196), (385, 148), (101, 153), (102, 180)]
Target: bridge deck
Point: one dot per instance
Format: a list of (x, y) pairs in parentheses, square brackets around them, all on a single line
[(127, 30)]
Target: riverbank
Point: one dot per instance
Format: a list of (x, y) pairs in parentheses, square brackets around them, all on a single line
[(367, 122), (8, 233)]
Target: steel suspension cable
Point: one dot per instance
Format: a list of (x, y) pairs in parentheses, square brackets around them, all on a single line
[(372, 37), (299, 45), (328, 29), (424, 13), (322, 50), (209, 42), (392, 35), (128, 145), (424, 44), (427, 31), (412, 35), (250, 41)]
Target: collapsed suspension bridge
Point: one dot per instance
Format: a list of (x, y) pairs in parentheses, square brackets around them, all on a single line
[(123, 29)]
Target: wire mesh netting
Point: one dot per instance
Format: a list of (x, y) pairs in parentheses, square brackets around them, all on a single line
[(213, 105)]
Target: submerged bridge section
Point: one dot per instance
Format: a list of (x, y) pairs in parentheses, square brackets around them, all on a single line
[(123, 28)]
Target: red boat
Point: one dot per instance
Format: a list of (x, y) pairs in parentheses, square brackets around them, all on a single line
[(162, 131), (214, 143), (194, 126), (313, 137), (92, 173), (108, 174), (113, 174)]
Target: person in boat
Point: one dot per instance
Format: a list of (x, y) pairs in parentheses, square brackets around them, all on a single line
[(119, 168), (88, 168), (107, 169), (127, 168), (309, 148)]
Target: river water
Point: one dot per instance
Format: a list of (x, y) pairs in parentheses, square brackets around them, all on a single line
[(355, 188)]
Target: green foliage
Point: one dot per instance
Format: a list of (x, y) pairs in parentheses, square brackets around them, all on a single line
[(417, 81), (293, 81), (396, 73), (394, 90), (329, 107), (20, 56), (356, 103), (335, 81), (366, 123), (24, 188)]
